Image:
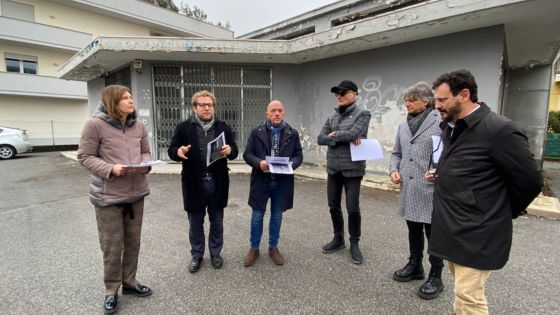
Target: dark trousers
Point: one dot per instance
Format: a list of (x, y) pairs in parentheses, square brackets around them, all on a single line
[(119, 229), (335, 183), (196, 224), (416, 242)]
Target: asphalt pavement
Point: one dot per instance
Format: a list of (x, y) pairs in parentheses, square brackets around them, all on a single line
[(50, 259)]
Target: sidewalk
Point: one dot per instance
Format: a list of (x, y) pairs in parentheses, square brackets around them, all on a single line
[(543, 206)]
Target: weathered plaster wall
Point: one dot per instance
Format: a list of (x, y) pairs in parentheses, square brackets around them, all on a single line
[(527, 103), (383, 74)]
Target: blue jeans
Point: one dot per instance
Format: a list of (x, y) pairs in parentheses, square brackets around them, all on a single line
[(275, 219)]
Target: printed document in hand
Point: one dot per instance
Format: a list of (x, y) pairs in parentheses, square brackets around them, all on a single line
[(146, 164), (368, 149), (213, 149), (437, 148), (279, 165)]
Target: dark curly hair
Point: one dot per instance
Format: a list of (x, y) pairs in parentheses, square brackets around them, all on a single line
[(458, 81)]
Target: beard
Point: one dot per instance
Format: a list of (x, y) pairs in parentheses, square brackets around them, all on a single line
[(451, 114)]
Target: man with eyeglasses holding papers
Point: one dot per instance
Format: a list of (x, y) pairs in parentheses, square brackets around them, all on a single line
[(346, 124), (205, 187)]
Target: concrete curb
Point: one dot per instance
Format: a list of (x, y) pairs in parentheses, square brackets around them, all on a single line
[(542, 206)]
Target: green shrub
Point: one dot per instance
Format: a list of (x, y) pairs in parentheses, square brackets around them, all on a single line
[(553, 122)]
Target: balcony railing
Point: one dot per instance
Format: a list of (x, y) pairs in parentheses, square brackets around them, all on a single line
[(29, 33), (41, 86)]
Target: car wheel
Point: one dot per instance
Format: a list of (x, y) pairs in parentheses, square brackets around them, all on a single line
[(7, 152)]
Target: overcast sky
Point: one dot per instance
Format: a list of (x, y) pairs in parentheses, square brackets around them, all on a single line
[(248, 15)]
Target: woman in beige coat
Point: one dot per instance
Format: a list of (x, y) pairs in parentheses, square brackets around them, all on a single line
[(111, 140)]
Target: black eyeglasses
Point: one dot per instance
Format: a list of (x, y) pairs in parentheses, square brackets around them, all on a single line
[(342, 93), (209, 105)]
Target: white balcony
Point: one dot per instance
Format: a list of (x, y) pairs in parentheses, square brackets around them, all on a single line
[(41, 86), (40, 35)]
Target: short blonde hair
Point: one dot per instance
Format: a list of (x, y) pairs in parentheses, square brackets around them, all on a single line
[(111, 96), (203, 93)]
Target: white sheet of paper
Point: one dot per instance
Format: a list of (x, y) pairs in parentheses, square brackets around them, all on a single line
[(149, 163), (437, 148), (279, 165), (368, 149), (213, 149)]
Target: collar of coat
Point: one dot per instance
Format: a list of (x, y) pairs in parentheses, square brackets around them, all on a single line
[(263, 134), (102, 114), (472, 119), (350, 108)]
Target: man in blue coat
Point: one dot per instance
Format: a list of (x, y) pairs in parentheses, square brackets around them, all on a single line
[(275, 138), (486, 176)]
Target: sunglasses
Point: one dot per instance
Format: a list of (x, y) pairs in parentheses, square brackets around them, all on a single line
[(342, 93)]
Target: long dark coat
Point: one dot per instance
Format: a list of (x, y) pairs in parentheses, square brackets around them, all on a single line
[(486, 173), (258, 147), (191, 175)]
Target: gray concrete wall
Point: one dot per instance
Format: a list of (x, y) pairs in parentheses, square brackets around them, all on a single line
[(526, 103), (94, 88), (382, 75), (141, 86)]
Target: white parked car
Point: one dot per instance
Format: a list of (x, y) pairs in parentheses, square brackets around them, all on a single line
[(13, 141)]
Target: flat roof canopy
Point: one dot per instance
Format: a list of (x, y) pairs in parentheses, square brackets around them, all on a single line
[(532, 29)]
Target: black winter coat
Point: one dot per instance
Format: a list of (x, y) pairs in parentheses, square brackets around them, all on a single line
[(191, 175), (258, 147), (487, 174)]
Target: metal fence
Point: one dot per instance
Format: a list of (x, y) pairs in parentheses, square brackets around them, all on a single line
[(48, 132), (242, 95)]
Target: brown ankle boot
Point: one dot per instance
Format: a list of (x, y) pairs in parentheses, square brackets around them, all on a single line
[(251, 257), (277, 258)]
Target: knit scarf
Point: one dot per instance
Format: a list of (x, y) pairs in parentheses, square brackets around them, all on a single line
[(276, 132), (206, 125), (415, 120)]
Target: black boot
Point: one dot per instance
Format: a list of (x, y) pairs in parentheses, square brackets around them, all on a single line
[(335, 244), (413, 270), (338, 229), (432, 287), (355, 252)]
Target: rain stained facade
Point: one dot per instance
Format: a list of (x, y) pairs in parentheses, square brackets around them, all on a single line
[(383, 46)]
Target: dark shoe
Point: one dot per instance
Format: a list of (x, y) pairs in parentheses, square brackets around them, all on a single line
[(412, 271), (431, 288), (110, 304), (277, 258), (335, 244), (138, 290), (194, 266), (356, 253), (217, 261), (251, 257)]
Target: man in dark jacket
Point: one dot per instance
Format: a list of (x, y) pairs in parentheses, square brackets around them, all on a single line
[(205, 185), (485, 177), (274, 138), (346, 124)]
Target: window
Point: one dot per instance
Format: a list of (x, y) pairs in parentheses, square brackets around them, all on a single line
[(21, 64)]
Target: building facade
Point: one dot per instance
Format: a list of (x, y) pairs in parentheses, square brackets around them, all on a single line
[(37, 37), (508, 45)]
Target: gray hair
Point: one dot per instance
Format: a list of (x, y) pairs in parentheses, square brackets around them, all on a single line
[(420, 91)]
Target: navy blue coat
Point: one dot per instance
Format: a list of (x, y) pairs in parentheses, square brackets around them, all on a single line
[(258, 147), (191, 175)]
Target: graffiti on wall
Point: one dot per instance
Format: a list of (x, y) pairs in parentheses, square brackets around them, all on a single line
[(385, 102)]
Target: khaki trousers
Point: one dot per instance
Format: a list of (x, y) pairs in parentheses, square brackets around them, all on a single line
[(119, 237), (469, 290)]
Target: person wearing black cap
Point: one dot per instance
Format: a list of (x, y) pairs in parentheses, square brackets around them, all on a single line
[(346, 124)]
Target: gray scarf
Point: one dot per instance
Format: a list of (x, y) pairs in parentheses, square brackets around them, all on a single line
[(206, 125), (416, 120)]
